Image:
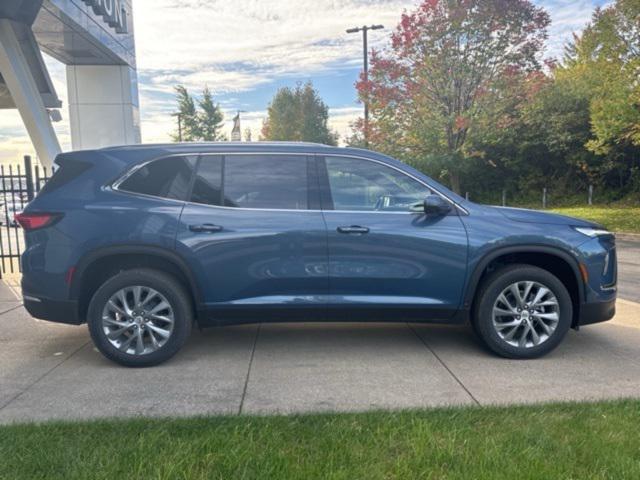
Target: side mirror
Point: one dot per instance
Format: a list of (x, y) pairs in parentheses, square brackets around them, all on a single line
[(435, 205)]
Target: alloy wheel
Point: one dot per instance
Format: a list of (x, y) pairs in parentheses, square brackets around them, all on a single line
[(526, 314), (138, 320)]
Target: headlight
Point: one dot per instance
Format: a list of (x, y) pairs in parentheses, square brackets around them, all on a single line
[(592, 232)]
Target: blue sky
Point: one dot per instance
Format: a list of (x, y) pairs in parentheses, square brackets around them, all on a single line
[(244, 50)]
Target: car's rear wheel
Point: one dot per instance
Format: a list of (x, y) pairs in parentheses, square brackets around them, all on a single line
[(522, 311), (140, 318)]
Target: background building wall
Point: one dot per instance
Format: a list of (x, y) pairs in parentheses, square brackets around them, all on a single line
[(95, 40), (103, 105)]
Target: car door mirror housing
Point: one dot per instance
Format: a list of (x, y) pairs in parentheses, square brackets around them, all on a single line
[(435, 205)]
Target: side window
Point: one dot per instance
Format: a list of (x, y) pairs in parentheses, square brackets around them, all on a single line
[(207, 186), (266, 181), (168, 178), (363, 185)]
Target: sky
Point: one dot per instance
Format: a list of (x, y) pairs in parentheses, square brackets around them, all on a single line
[(244, 50)]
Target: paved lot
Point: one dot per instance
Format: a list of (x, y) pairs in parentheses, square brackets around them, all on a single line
[(50, 371)]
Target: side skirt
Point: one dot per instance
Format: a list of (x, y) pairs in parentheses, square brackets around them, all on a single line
[(221, 316)]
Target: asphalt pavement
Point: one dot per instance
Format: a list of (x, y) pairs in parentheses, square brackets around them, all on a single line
[(628, 250)]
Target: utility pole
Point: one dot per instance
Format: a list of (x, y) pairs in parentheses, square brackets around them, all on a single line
[(179, 115), (365, 44)]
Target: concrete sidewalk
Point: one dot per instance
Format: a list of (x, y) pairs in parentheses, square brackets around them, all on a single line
[(50, 371)]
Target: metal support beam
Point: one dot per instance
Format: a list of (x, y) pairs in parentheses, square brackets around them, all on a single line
[(17, 75)]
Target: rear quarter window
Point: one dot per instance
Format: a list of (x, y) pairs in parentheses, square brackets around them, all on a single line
[(68, 170)]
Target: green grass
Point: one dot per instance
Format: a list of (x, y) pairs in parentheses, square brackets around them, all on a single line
[(617, 218), (560, 441)]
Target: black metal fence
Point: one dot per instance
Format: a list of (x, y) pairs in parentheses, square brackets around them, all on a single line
[(18, 185)]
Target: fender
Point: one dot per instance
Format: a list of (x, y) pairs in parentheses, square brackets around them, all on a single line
[(160, 252), (474, 278)]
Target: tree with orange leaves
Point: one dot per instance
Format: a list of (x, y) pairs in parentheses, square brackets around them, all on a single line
[(443, 77)]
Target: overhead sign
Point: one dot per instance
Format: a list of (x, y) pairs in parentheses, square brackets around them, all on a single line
[(113, 13)]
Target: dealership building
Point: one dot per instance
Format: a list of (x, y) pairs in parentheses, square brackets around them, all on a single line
[(95, 40)]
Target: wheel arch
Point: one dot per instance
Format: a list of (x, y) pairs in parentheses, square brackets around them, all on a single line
[(95, 267), (555, 260)]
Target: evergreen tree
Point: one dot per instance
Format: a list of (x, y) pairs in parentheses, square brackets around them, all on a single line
[(198, 124), (189, 125), (210, 118)]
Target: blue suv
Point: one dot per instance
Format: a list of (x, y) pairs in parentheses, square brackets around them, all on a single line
[(142, 241)]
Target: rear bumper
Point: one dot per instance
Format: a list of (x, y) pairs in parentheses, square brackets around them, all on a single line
[(52, 310), (597, 312)]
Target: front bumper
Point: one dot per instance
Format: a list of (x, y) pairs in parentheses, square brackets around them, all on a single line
[(53, 310), (598, 257), (597, 312)]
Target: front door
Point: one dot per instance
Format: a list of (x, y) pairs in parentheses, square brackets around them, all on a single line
[(255, 237), (387, 261)]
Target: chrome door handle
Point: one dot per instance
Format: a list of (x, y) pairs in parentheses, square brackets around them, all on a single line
[(353, 229), (205, 227)]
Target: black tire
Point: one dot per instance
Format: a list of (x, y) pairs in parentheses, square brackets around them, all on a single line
[(166, 285), (487, 295)]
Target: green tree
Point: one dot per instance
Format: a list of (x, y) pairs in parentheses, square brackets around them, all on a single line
[(298, 114), (607, 57), (603, 62), (210, 118), (197, 124), (189, 125), (558, 118), (443, 73), (538, 141)]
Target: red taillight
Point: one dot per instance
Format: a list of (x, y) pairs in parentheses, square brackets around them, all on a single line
[(68, 278), (35, 220)]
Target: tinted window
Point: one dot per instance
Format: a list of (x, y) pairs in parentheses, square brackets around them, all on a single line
[(69, 170), (207, 187), (365, 185), (266, 181), (169, 178)]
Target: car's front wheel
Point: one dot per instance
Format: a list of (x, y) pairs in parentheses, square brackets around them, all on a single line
[(140, 318), (522, 311)]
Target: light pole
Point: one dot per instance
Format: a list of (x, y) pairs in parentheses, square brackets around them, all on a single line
[(179, 115), (365, 44)]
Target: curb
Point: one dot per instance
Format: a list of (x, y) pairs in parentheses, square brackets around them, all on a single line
[(628, 302), (628, 236)]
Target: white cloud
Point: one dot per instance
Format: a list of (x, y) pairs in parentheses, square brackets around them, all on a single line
[(234, 47), (272, 34), (238, 46), (567, 17), (341, 118), (217, 79)]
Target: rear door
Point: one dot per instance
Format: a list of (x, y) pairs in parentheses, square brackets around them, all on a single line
[(385, 259), (255, 236)]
